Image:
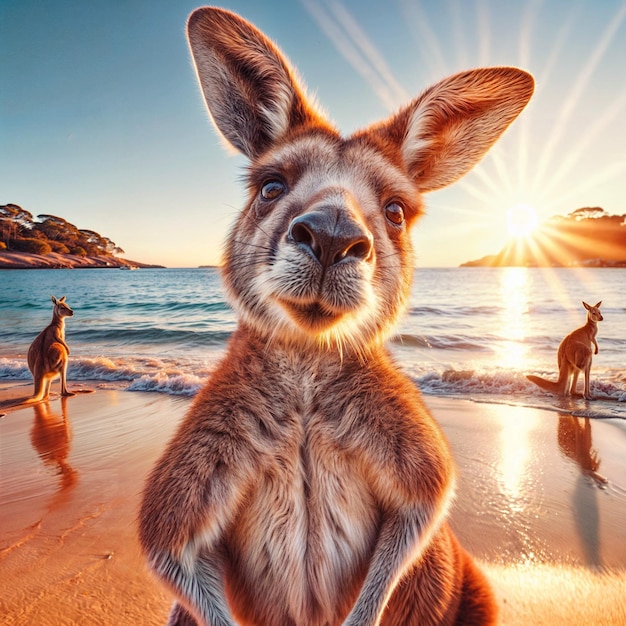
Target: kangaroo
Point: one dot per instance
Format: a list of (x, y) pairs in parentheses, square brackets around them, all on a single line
[(308, 485), (574, 356), (48, 354)]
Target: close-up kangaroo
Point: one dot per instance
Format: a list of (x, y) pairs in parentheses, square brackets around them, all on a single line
[(308, 485), (574, 355), (49, 352)]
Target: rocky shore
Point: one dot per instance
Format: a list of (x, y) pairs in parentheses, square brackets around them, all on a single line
[(26, 261)]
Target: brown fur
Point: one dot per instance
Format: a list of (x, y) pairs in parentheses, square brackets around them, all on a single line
[(308, 485), (574, 355), (49, 352)]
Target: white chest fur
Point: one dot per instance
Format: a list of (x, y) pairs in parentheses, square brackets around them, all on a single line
[(308, 527)]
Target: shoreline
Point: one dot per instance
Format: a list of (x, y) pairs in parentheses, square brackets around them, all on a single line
[(548, 532)]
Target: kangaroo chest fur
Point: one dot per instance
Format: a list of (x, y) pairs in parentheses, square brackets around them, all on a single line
[(311, 545), (308, 524)]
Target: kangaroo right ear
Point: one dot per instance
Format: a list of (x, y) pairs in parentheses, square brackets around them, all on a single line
[(54, 300), (444, 132), (250, 89), (587, 306)]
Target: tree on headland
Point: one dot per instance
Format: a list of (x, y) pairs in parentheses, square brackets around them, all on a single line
[(20, 231), (14, 221), (586, 236)]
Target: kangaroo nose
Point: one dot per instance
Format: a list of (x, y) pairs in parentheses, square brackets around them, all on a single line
[(330, 239)]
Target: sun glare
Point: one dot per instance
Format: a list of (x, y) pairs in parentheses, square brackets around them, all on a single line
[(521, 221)]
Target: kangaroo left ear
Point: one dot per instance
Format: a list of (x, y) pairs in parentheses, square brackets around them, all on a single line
[(251, 91), (62, 299), (598, 305)]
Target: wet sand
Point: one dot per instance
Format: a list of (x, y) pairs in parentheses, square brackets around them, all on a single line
[(541, 503)]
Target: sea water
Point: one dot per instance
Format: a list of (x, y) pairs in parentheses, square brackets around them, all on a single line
[(468, 332)]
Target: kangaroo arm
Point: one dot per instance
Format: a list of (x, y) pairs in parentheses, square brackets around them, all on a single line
[(62, 342), (184, 514), (198, 585), (57, 337), (403, 536), (595, 343)]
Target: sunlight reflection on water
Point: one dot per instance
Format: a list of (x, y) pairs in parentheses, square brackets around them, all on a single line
[(514, 291), (515, 458)]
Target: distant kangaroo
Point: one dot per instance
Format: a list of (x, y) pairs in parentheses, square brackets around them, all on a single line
[(574, 356), (48, 354), (308, 485)]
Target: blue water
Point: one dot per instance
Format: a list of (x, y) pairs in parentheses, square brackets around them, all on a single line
[(469, 332)]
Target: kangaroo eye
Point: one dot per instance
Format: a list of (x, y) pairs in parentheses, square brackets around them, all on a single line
[(272, 189), (394, 213)]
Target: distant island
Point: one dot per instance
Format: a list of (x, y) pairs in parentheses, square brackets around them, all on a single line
[(49, 241), (587, 237)]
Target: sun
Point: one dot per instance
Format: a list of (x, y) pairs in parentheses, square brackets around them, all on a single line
[(521, 221)]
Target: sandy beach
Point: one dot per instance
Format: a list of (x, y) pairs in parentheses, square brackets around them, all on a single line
[(541, 503)]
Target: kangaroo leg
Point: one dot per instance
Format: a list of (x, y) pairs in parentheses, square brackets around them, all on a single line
[(39, 386), (572, 391), (587, 393), (470, 601), (47, 383), (64, 390)]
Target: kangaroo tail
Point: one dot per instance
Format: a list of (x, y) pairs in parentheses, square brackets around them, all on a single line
[(547, 385)]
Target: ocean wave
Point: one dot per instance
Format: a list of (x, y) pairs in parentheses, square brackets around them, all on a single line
[(184, 377), (14, 369), (178, 385), (502, 382), (453, 311), (150, 336), (513, 388), (440, 342), (142, 373)]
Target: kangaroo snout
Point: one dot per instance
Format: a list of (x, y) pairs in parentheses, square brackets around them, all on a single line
[(330, 236)]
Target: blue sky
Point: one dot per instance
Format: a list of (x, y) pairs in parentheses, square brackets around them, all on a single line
[(102, 123)]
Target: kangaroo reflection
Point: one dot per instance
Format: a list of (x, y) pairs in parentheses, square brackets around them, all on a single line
[(574, 439), (51, 437), (574, 436)]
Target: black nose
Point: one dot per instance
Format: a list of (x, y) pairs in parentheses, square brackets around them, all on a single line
[(330, 237)]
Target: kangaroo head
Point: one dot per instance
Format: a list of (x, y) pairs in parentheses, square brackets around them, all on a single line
[(593, 312), (322, 249), (61, 309)]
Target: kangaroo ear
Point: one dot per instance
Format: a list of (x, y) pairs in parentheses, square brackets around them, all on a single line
[(250, 89), (62, 299), (598, 305), (444, 132), (588, 307), (54, 299)]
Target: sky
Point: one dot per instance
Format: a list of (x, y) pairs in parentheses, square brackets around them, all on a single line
[(102, 122)]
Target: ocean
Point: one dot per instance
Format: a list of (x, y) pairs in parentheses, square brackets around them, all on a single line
[(470, 333)]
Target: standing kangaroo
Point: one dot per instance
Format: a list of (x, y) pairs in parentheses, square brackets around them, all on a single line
[(48, 354), (574, 356), (308, 485)]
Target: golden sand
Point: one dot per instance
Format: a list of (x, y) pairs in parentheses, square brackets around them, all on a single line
[(549, 530)]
